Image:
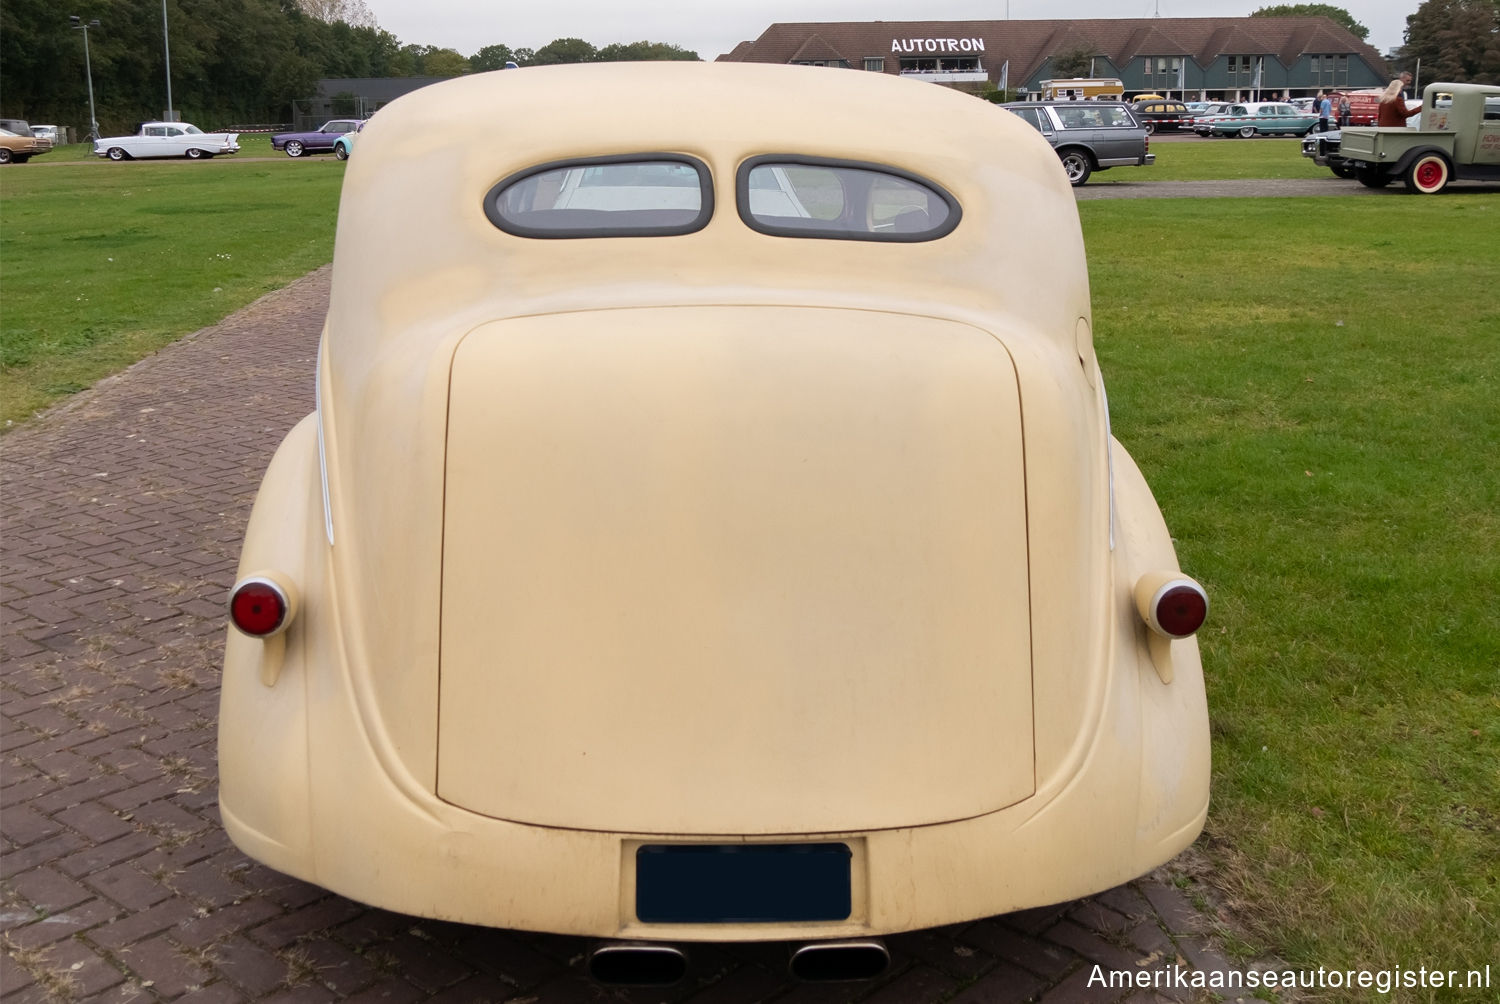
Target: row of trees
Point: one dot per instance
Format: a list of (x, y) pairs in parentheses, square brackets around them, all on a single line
[(233, 61), (1456, 40)]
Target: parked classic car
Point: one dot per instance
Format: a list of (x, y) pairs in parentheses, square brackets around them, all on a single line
[(319, 140), (344, 145), (699, 538), (168, 139), (1262, 118), (18, 148), (1088, 136), (1163, 115)]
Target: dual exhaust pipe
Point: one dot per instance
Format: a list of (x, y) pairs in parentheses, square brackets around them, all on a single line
[(644, 964)]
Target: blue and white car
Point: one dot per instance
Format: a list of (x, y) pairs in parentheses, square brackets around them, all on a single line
[(1257, 118)]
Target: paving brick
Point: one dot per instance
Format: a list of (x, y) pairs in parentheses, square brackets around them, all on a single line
[(87, 972), (1086, 985), (917, 985), (1092, 946), (96, 857), (129, 886), (76, 796), (1201, 954), (1176, 913), (24, 825), (206, 882), (249, 967), (1003, 984), (338, 968), (744, 984), (1037, 920), (1097, 917), (55, 927), (1047, 960), (169, 970), (47, 890), (132, 927), (943, 951), (425, 963), (14, 862), (477, 989), (508, 956), (13, 978)]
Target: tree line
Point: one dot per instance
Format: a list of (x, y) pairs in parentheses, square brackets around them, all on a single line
[(234, 62)]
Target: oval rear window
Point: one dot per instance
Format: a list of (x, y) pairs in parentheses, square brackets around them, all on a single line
[(841, 200), (637, 195)]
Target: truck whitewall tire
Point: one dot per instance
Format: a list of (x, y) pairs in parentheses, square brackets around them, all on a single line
[(1428, 174)]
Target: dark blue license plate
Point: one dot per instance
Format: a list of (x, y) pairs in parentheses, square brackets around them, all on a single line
[(741, 883)]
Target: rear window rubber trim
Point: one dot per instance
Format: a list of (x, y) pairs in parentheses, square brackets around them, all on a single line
[(705, 189)]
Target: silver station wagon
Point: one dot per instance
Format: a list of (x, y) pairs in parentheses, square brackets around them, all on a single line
[(1089, 136)]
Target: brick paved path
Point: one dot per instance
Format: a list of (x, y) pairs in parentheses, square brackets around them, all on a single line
[(122, 513)]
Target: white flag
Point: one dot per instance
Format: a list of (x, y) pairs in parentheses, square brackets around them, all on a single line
[(1005, 75), (1182, 75), (1259, 65)]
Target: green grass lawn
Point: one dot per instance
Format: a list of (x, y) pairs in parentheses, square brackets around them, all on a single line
[(1312, 387), (1199, 159), (103, 263)]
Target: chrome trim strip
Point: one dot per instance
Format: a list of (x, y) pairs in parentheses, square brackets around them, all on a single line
[(1109, 455), (322, 454)]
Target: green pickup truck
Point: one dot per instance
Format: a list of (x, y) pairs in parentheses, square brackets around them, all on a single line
[(1459, 138)]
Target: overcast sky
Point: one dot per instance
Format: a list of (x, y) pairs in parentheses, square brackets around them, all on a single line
[(716, 26)]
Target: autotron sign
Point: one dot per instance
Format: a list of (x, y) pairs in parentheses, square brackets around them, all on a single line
[(916, 45)]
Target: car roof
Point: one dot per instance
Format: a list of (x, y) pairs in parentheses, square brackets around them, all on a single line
[(1064, 104), (423, 160)]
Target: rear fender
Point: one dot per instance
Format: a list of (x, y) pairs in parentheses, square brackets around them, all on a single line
[(263, 782)]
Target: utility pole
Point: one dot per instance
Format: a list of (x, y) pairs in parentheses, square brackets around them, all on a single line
[(88, 69), (166, 49)]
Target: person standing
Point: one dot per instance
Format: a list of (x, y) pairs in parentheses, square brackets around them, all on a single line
[(1343, 110), (1325, 109), (1393, 110)]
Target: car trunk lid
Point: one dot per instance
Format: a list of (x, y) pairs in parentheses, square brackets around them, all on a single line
[(714, 570)]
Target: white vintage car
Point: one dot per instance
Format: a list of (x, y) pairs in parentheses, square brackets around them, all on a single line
[(700, 537), (168, 139)]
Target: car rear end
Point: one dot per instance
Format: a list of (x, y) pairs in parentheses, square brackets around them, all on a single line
[(726, 582)]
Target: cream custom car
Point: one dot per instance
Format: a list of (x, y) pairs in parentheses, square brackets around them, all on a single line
[(699, 538)]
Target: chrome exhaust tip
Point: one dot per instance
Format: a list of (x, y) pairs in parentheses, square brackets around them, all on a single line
[(636, 964), (840, 961)]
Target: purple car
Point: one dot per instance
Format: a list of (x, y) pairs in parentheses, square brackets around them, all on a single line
[(318, 141)]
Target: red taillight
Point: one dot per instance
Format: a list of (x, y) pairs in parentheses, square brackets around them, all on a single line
[(1180, 609), (258, 607), (1171, 603)]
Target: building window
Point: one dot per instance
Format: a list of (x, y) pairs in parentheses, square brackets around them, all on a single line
[(942, 64), (840, 63), (1242, 71), (875, 64), (1161, 71), (1329, 70)]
